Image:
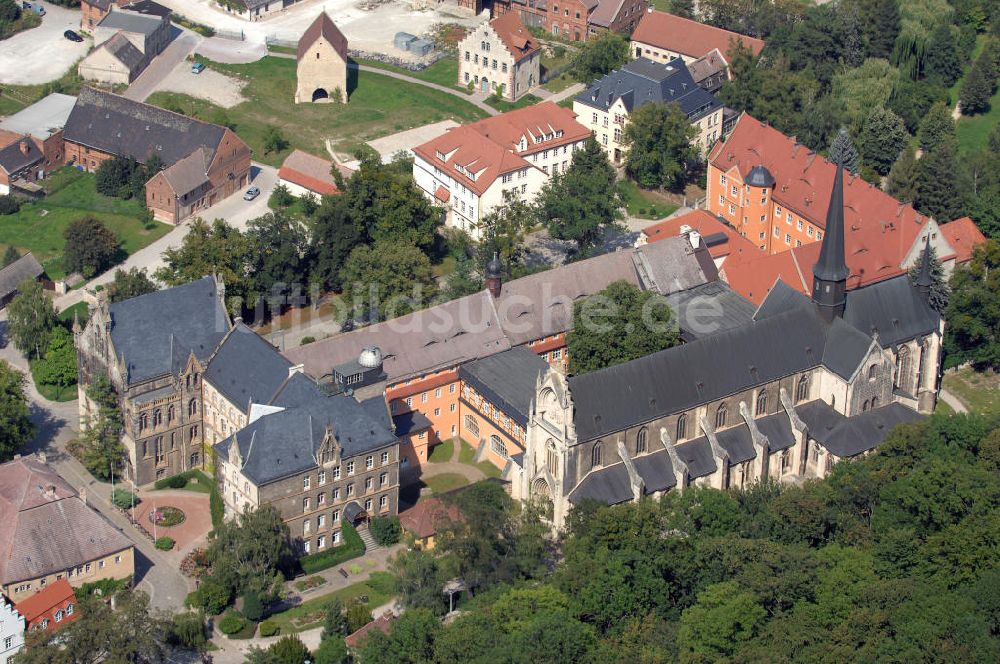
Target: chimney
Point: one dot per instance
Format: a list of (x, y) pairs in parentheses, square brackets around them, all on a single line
[(24, 147), (41, 457)]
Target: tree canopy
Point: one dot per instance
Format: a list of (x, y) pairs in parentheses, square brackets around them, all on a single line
[(91, 247), (660, 153), (599, 56), (31, 319), (16, 428), (130, 283), (972, 333)]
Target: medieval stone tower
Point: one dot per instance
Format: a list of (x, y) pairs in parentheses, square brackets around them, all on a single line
[(322, 63)]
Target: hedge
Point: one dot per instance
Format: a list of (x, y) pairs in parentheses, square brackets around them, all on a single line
[(269, 628), (180, 480), (386, 530), (350, 549), (124, 499), (216, 507), (231, 623)]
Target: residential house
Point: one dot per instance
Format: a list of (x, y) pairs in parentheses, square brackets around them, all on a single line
[(662, 37), (43, 121), (501, 58), (709, 71), (321, 63), (606, 105), (92, 12), (116, 61), (784, 397), (203, 163), (11, 276), (51, 534), (303, 173), (575, 20), (51, 608), (11, 630), (469, 169), (21, 161), (423, 520)]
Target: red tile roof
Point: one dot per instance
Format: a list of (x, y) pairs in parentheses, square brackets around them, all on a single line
[(381, 623), (706, 224), (442, 194), (515, 36), (753, 278), (45, 602), (880, 230), (424, 518), (323, 26), (688, 37), (309, 171), (962, 235), (487, 148)]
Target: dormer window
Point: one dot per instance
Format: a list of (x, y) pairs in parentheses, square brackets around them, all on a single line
[(440, 155)]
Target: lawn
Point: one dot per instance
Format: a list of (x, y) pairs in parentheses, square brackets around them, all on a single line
[(443, 72), (378, 590), (645, 204), (379, 105), (467, 455), (556, 59), (442, 451), (80, 309), (39, 226), (194, 480), (980, 392), (973, 131), (445, 482), (15, 97), (503, 105)]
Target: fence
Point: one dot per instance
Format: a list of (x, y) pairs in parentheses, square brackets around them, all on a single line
[(273, 40), (235, 35)]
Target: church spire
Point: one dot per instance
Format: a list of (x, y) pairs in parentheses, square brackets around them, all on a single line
[(830, 271), (925, 280)]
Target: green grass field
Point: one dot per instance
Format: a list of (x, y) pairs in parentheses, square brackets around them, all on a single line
[(973, 131), (39, 226), (378, 589), (442, 451), (443, 72), (980, 392), (503, 106), (379, 105), (644, 204), (445, 482)]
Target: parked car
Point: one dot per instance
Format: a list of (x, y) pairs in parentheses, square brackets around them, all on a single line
[(252, 193), (72, 36), (197, 67)]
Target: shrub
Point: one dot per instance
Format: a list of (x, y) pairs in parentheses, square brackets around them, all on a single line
[(280, 197), (253, 608), (386, 530), (358, 615), (331, 651), (212, 596), (307, 340), (165, 543), (269, 628), (350, 549), (187, 630), (9, 204), (124, 499), (173, 482), (231, 623)]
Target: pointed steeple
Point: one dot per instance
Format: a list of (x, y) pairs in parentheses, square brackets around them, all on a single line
[(830, 271), (925, 280)]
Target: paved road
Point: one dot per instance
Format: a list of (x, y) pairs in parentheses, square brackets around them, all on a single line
[(57, 424), (42, 54), (184, 42), (234, 210)]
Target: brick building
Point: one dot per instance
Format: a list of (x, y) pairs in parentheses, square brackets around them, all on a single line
[(43, 121), (202, 162), (575, 20), (501, 57)]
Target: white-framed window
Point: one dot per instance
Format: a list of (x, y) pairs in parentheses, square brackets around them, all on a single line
[(809, 231), (306, 547), (734, 190), (451, 408), (322, 477), (497, 446), (335, 538), (722, 179), (336, 473), (335, 517), (437, 412), (321, 542), (799, 224), (732, 209), (59, 615), (321, 498), (451, 388), (305, 504), (409, 401), (321, 521), (383, 502), (472, 425), (423, 397), (69, 609), (369, 483), (722, 199), (336, 494), (306, 527), (369, 462), (777, 232), (305, 482), (385, 458), (368, 504), (350, 468), (8, 642), (557, 354), (383, 479), (350, 490), (788, 238)]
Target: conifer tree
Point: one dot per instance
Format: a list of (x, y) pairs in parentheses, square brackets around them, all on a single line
[(843, 152)]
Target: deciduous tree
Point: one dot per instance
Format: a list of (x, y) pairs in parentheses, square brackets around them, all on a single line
[(973, 330), (883, 139), (103, 452), (660, 152), (215, 248), (387, 279), (248, 552), (31, 319), (502, 232), (599, 56), (130, 283), (58, 366), (16, 428), (91, 247)]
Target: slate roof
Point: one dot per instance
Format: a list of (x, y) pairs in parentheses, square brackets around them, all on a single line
[(737, 442), (190, 173), (151, 347), (129, 22), (323, 27), (284, 443), (778, 430), (697, 454), (850, 436), (642, 80), (25, 267), (44, 525), (148, 7), (116, 125), (245, 368), (893, 308), (124, 51), (507, 380), (708, 309), (410, 422), (12, 159), (711, 368)]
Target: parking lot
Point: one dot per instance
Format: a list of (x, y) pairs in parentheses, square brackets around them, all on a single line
[(42, 54)]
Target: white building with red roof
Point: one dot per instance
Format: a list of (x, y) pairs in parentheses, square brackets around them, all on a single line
[(469, 169), (500, 57), (661, 37)]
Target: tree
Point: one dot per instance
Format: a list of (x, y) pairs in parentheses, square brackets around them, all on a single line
[(276, 247), (979, 85), (902, 184), (410, 640), (31, 319), (936, 128), (58, 366), (289, 649), (585, 201), (215, 248), (274, 140), (187, 630), (335, 623), (683, 8), (858, 90), (16, 428), (128, 632), (248, 552), (103, 452), (280, 197), (10, 255), (502, 232), (464, 280), (130, 283), (843, 152), (883, 139), (335, 234), (358, 615), (253, 608), (942, 60), (599, 56), (936, 183), (331, 651), (387, 279), (973, 330), (660, 152), (724, 616), (419, 580), (879, 21), (91, 247), (114, 177), (940, 292), (618, 324), (386, 530)]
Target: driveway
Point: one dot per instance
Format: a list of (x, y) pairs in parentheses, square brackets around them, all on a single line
[(42, 54), (184, 42), (210, 85)]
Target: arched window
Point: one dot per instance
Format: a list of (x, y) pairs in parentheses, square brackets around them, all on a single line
[(143, 421), (761, 403), (552, 459), (170, 414), (682, 427), (864, 406), (721, 415), (874, 402), (497, 446), (595, 455), (872, 372), (802, 389), (157, 417), (640, 441), (193, 407), (903, 369)]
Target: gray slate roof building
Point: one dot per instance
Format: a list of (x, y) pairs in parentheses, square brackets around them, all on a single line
[(507, 380), (850, 436), (893, 308), (245, 368), (120, 126), (642, 81), (197, 323), (19, 155), (25, 267), (708, 309), (129, 22), (124, 51), (148, 7), (611, 485)]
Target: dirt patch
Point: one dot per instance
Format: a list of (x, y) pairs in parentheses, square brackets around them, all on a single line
[(210, 85)]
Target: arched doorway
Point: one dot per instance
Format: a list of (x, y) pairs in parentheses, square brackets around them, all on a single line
[(542, 496), (355, 515), (320, 94)]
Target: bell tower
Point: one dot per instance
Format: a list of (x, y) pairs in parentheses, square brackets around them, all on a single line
[(830, 271)]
